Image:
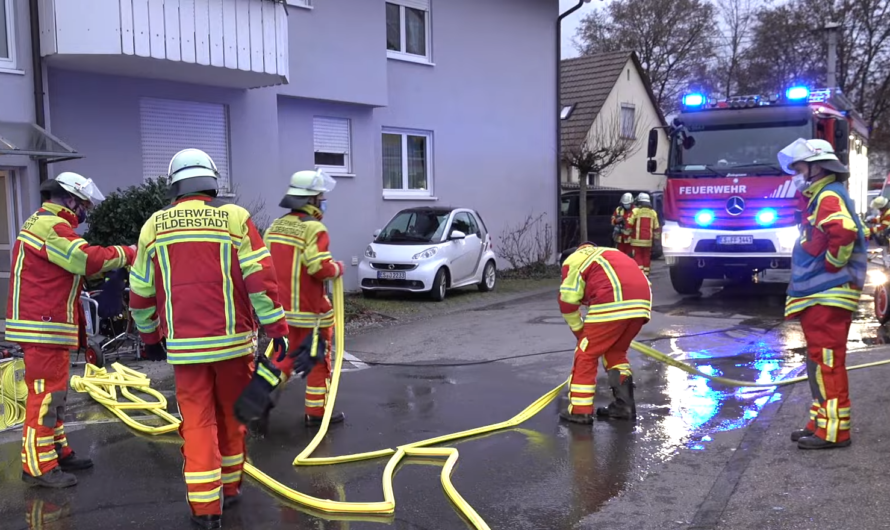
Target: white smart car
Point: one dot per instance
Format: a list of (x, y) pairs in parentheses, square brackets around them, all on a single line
[(429, 249)]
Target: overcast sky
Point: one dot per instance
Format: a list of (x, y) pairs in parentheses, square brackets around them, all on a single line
[(570, 24)]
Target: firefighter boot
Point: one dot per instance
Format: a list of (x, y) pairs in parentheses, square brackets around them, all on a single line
[(814, 442), (800, 433), (624, 407), (315, 421), (72, 462), (53, 479), (584, 419), (207, 522)]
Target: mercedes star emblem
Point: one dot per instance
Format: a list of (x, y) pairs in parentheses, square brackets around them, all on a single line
[(735, 205)]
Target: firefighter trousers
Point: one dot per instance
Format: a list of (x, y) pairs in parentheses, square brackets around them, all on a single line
[(643, 257), (319, 378), (43, 434), (626, 248), (825, 330), (609, 340), (213, 447)]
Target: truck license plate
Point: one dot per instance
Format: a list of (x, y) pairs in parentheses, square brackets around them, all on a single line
[(391, 275), (735, 240)]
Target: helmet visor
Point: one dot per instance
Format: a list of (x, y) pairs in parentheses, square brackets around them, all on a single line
[(323, 183), (88, 191)]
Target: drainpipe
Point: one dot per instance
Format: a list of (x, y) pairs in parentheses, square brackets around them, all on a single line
[(558, 120), (37, 73)]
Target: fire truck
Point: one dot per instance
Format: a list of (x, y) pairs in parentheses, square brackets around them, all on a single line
[(729, 209)]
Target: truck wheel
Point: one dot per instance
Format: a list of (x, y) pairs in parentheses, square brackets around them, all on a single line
[(882, 303), (685, 280)]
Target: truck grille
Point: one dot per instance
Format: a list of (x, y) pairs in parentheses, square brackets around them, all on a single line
[(759, 245)]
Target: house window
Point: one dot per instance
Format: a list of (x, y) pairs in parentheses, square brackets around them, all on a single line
[(7, 40), (407, 163), (169, 126), (299, 3), (566, 111), (331, 136), (628, 122), (408, 29)]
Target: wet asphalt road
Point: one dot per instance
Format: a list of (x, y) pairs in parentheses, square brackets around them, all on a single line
[(540, 475)]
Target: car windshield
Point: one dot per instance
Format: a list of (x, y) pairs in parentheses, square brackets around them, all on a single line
[(414, 227)]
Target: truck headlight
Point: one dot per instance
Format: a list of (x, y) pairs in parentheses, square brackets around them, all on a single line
[(426, 254), (788, 237), (677, 238), (876, 277)]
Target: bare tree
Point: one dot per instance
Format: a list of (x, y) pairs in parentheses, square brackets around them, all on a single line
[(613, 138), (674, 40), (738, 19)]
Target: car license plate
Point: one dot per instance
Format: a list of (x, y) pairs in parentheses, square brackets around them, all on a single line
[(391, 275), (735, 240)]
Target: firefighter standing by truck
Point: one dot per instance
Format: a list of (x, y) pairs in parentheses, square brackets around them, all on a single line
[(299, 243), (643, 228), (828, 268), (200, 273), (619, 302), (881, 224), (620, 219), (49, 261)]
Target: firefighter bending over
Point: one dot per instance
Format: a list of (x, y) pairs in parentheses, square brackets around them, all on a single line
[(299, 243), (828, 267), (619, 303), (643, 229), (49, 261), (201, 271), (881, 224), (620, 219)]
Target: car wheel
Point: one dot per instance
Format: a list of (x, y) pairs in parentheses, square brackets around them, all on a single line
[(489, 278), (882, 303), (368, 293), (440, 285)]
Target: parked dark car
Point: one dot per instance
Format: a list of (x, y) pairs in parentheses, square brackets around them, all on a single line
[(601, 204)]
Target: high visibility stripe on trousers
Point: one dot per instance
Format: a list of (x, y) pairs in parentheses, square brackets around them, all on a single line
[(231, 473), (203, 486)]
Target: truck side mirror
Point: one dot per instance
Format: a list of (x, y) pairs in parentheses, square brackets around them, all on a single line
[(651, 166), (842, 140), (653, 144)]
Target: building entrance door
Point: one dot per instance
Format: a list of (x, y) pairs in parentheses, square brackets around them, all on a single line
[(10, 220)]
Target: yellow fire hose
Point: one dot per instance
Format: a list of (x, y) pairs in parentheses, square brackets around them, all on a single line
[(102, 385)]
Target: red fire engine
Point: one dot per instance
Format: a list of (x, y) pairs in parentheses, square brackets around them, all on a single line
[(729, 209)]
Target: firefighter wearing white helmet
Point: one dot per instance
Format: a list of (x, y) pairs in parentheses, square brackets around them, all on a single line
[(217, 273), (299, 244), (828, 267), (620, 218), (43, 316), (643, 228), (881, 222)]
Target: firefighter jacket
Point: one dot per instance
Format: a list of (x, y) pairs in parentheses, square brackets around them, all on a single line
[(201, 271), (829, 261), (621, 217), (643, 227), (299, 243), (882, 224), (49, 261), (608, 282)]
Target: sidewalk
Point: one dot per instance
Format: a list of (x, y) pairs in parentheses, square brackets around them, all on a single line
[(756, 478)]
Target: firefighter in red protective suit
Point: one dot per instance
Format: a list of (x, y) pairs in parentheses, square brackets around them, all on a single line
[(643, 228), (828, 269), (298, 242), (619, 302), (620, 219), (881, 224), (201, 271), (49, 261)]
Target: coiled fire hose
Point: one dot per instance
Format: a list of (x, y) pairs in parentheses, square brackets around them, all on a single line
[(102, 385), (13, 393)]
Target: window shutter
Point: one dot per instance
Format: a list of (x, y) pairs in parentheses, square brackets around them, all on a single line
[(331, 135), (417, 4), (169, 126)]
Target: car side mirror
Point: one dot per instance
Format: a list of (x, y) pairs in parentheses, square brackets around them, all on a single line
[(653, 143), (651, 166), (377, 233), (457, 234)]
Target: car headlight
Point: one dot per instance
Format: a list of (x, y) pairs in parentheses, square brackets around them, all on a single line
[(788, 237), (426, 254), (876, 277), (677, 239), (369, 252)]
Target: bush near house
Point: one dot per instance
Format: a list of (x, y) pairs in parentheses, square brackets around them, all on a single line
[(528, 248)]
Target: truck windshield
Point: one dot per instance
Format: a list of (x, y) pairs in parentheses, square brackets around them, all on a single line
[(722, 148)]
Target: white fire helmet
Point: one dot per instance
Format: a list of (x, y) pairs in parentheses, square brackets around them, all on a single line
[(643, 198), (81, 187), (192, 171), (879, 203), (626, 200), (810, 151), (310, 183)]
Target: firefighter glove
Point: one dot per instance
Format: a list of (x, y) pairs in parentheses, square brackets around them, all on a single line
[(279, 348), (155, 352), (306, 357), (256, 399)]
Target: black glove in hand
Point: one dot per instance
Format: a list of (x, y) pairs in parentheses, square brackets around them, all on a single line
[(305, 360), (155, 352), (279, 348)]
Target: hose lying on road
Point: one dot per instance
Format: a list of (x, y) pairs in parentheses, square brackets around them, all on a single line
[(101, 386)]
